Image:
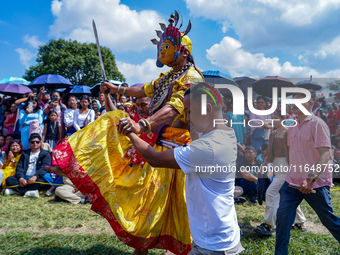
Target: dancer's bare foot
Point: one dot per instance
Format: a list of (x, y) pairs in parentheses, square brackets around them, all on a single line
[(139, 252)]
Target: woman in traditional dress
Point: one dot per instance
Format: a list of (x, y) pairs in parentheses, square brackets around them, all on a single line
[(145, 206)]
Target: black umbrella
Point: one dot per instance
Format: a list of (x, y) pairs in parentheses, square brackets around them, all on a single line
[(244, 83), (50, 81), (264, 86)]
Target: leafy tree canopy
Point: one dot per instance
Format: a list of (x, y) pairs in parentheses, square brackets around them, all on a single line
[(76, 61)]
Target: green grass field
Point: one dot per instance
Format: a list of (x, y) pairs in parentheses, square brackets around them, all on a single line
[(42, 226)]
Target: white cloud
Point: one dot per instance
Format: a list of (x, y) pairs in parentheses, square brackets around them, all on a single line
[(32, 40), (119, 27), (269, 24), (25, 56), (327, 55), (230, 55), (142, 73)]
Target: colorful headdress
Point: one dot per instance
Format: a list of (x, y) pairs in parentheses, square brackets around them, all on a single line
[(172, 38)]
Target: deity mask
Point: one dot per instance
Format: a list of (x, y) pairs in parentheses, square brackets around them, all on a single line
[(171, 41)]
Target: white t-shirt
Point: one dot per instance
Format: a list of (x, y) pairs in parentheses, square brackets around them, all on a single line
[(210, 195), (32, 164), (79, 118), (69, 117)]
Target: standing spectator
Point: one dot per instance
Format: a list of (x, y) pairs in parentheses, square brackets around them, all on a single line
[(101, 99), (84, 115), (32, 111), (5, 129), (331, 120), (8, 139), (11, 160), (122, 99), (2, 141), (336, 111), (309, 145), (69, 115), (277, 153), (236, 123), (259, 135), (97, 115), (10, 119), (95, 105), (52, 130), (58, 107), (30, 169), (44, 97)]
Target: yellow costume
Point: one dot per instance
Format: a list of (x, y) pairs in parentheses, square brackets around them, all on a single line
[(144, 205), (10, 169)]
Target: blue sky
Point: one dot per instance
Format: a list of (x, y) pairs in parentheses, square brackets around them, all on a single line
[(292, 38)]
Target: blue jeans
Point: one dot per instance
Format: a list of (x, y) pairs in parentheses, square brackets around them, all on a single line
[(249, 188), (290, 198)]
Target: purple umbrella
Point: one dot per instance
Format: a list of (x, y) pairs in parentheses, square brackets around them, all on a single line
[(264, 86), (138, 85), (50, 81), (14, 89)]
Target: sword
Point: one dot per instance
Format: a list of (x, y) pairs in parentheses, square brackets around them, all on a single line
[(99, 53)]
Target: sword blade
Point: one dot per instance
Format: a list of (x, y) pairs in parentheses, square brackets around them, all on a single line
[(98, 48)]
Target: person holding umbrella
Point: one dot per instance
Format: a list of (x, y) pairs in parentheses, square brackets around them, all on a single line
[(31, 111)]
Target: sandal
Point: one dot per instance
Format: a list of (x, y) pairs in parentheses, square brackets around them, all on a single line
[(264, 230), (297, 226)]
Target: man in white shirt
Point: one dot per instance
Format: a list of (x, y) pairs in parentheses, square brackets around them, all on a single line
[(210, 164)]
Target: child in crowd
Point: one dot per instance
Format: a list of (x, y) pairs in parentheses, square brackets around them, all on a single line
[(97, 115), (52, 131)]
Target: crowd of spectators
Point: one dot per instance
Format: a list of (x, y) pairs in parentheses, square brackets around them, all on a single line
[(32, 125)]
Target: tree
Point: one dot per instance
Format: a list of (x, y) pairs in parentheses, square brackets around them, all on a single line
[(76, 61), (334, 85)]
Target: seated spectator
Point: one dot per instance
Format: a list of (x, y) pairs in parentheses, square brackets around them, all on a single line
[(249, 167), (30, 169), (68, 192), (31, 111), (10, 162)]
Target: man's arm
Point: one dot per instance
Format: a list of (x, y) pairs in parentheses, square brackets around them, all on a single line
[(149, 154), (163, 116), (109, 106), (129, 91), (248, 176), (20, 171), (307, 185), (46, 161)]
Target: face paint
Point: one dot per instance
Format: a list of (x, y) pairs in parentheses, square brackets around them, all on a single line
[(166, 52)]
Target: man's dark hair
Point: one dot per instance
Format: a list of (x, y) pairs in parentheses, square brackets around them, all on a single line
[(34, 136), (251, 147), (200, 89), (263, 98), (312, 96)]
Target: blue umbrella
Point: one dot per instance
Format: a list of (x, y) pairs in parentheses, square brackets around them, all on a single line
[(14, 89), (14, 80), (80, 90), (50, 81), (216, 77), (309, 84), (96, 88)]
